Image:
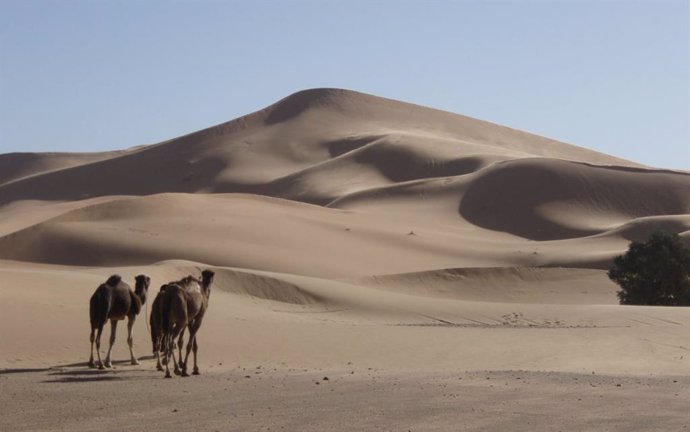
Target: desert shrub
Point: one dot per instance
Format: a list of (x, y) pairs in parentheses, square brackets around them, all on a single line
[(655, 272)]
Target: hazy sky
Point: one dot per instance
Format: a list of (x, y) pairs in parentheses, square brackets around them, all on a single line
[(97, 75)]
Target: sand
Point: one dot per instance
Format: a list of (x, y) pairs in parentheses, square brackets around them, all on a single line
[(406, 253), (259, 399)]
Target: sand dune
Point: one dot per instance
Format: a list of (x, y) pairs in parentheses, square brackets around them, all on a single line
[(252, 153), (348, 233), (15, 166)]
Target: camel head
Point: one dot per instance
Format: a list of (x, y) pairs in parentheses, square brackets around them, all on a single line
[(142, 286), (206, 280)]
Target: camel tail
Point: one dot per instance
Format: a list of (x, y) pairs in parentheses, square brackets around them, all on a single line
[(99, 307), (163, 312), (155, 321), (172, 307)]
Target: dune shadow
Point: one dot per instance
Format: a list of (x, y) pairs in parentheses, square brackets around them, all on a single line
[(510, 198)]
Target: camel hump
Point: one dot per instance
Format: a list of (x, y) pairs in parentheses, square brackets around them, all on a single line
[(187, 282), (114, 280)]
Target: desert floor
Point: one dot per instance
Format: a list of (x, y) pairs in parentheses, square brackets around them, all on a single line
[(263, 399), (393, 361)]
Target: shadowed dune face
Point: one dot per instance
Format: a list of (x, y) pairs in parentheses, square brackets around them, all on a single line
[(550, 200), (15, 166)]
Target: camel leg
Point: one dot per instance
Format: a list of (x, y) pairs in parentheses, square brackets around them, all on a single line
[(168, 347), (98, 347), (130, 339), (177, 364), (93, 339), (180, 344), (193, 328), (157, 351), (186, 358), (113, 330), (174, 362), (195, 348)]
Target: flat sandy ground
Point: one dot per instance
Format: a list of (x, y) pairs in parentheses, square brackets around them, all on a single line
[(254, 398)]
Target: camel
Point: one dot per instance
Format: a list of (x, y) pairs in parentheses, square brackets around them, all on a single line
[(184, 304), (157, 328), (114, 300)]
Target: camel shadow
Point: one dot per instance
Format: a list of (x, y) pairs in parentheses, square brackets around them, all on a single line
[(80, 375), (80, 372), (86, 364), (76, 376), (23, 370)]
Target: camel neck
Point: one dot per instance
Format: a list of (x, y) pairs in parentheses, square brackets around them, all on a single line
[(206, 289), (140, 292)]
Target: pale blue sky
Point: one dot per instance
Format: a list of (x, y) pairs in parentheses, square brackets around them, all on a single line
[(97, 75)]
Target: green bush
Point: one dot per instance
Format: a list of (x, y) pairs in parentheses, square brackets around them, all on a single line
[(656, 272)]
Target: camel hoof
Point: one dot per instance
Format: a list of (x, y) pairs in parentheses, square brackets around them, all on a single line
[(185, 374), (196, 371), (177, 372), (167, 375), (92, 365), (159, 367), (135, 362), (101, 367)]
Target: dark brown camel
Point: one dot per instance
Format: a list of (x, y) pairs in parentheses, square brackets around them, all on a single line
[(157, 328), (114, 300), (184, 304)]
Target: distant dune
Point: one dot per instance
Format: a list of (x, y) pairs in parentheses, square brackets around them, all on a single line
[(313, 146), (347, 228)]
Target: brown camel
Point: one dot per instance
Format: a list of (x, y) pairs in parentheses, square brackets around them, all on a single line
[(184, 304), (114, 300), (157, 327)]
